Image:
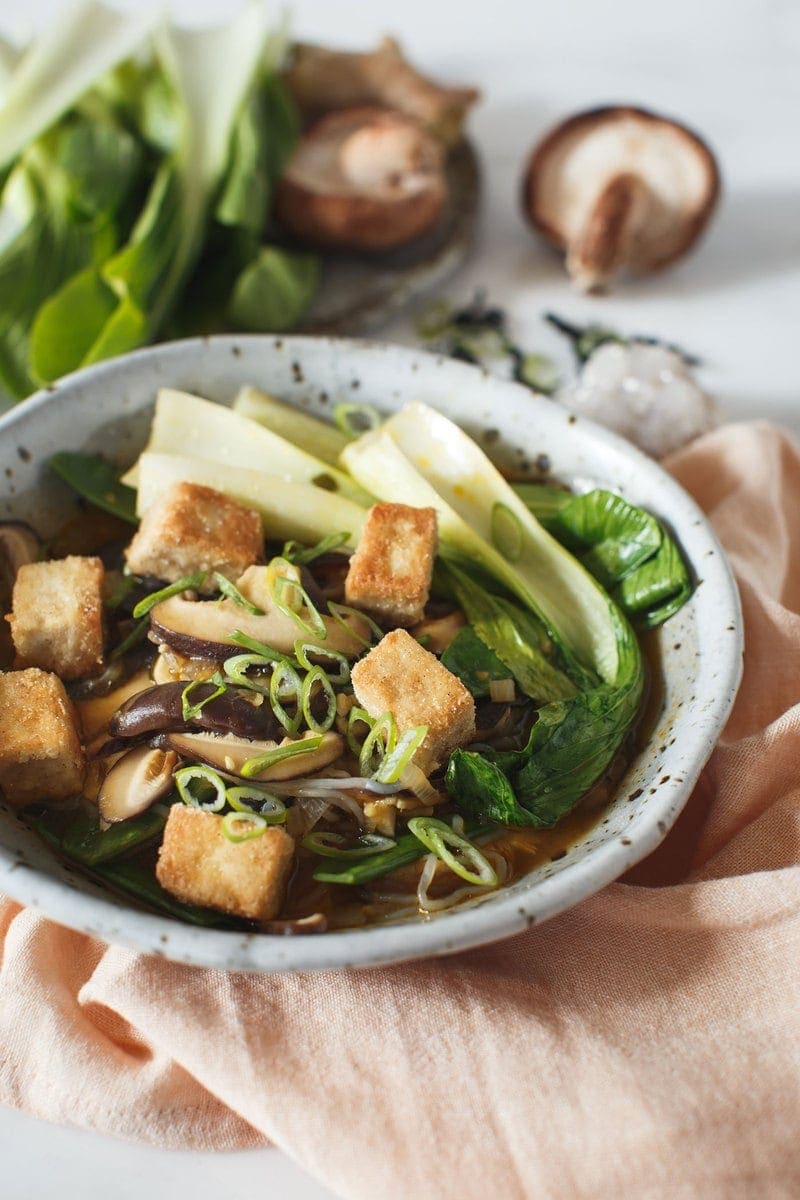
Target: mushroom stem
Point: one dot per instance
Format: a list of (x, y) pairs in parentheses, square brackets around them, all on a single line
[(607, 240), (322, 80)]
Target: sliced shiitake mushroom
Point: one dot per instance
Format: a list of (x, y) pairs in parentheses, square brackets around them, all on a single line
[(136, 781), (620, 188), (160, 709), (203, 628), (363, 179), (228, 753), (322, 79)]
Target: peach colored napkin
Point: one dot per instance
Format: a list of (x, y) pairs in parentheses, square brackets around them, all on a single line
[(645, 1044)]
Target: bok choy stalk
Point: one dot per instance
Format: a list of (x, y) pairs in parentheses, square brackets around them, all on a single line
[(627, 549), (189, 426), (420, 457), (83, 43), (297, 511), (114, 307)]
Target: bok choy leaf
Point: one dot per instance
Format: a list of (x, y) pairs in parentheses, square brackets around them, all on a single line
[(627, 549), (118, 305)]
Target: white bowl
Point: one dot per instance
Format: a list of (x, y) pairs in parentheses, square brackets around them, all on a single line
[(106, 408)]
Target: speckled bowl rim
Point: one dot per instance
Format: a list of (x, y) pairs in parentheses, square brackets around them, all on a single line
[(506, 912)]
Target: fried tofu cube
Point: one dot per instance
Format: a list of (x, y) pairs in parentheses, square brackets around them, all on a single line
[(402, 677), (198, 864), (40, 751), (390, 572), (57, 617), (195, 528)]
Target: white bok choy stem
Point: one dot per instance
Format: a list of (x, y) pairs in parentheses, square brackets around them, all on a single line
[(190, 426), (82, 43), (290, 510), (420, 457)]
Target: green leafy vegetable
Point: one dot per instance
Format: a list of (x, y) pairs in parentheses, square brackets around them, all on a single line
[(473, 662), (87, 843), (274, 290), (515, 636), (96, 480), (627, 549)]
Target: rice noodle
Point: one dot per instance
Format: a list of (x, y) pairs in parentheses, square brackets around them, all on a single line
[(355, 782)]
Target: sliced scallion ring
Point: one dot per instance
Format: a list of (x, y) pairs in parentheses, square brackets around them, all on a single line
[(334, 845), (295, 552), (506, 530), (189, 582), (191, 711), (357, 716), (254, 766), (231, 592), (251, 643), (455, 851), (379, 742), (204, 775), (285, 684), (243, 826), (395, 762), (316, 676), (238, 665), (250, 799), (340, 611), (355, 419), (301, 653), (284, 593)]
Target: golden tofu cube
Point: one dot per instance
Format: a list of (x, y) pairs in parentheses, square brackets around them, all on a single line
[(402, 677), (390, 572), (195, 528), (40, 751), (198, 864), (57, 617)]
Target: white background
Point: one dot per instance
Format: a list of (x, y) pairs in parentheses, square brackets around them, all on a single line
[(728, 67)]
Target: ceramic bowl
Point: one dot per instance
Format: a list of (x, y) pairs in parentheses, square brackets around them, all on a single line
[(106, 408)]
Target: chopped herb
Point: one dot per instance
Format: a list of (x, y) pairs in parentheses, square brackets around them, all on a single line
[(585, 339), (174, 589), (231, 592)]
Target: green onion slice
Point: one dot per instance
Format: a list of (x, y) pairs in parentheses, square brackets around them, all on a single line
[(355, 419), (334, 845), (301, 653), (317, 676), (357, 716), (238, 665), (506, 530), (243, 826), (231, 592), (249, 799), (194, 797), (379, 742), (455, 851), (251, 643), (340, 611), (174, 589), (190, 711), (290, 597), (285, 684), (254, 766), (395, 762), (296, 552)]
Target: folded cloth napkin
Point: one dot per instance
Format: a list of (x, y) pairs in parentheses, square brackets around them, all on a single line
[(644, 1044)]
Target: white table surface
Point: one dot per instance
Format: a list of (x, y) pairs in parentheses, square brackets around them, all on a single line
[(729, 67)]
